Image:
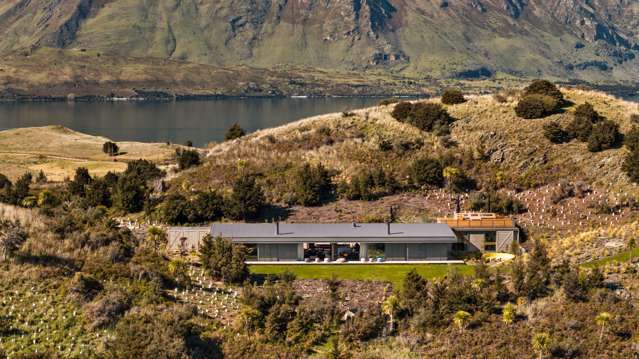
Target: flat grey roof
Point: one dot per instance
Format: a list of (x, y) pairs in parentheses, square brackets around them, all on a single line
[(331, 232)]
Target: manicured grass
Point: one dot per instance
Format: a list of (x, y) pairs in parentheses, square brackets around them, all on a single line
[(621, 257), (393, 273)]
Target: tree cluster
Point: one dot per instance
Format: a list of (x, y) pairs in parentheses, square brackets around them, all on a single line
[(369, 185), (187, 158), (312, 185), (495, 202)]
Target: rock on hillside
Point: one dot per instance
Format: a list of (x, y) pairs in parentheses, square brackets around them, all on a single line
[(573, 39)]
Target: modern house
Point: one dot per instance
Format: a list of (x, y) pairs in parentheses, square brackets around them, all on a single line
[(361, 242), (277, 242), (483, 232)]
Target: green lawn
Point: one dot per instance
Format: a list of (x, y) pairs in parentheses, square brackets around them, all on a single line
[(621, 257), (393, 273)]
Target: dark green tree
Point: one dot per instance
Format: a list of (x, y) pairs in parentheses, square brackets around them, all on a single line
[(246, 200), (97, 193), (414, 293), (110, 148), (130, 194), (631, 140), (631, 165), (312, 185), (224, 260)]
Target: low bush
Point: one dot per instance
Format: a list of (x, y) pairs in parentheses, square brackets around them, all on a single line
[(605, 135), (234, 132), (631, 139), (555, 133), (426, 172), (545, 88), (453, 96), (187, 158), (536, 106), (631, 165), (427, 116), (106, 311), (585, 117)]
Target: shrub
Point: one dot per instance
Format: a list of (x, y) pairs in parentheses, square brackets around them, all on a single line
[(159, 332), (224, 260), (634, 118), (5, 183), (631, 140), (426, 172), (105, 311), (143, 170), (246, 200), (12, 237), (584, 118), (457, 180), (84, 287), (187, 158), (631, 165), (110, 148), (402, 111), (366, 325), (536, 106), (545, 88), (430, 117), (453, 97), (312, 185), (234, 132), (555, 133), (605, 135), (46, 199)]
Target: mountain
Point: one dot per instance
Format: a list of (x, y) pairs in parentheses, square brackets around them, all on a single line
[(590, 40)]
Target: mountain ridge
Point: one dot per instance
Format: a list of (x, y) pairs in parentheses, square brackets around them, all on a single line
[(570, 39)]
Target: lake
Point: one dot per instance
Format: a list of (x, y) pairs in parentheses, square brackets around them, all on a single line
[(176, 122)]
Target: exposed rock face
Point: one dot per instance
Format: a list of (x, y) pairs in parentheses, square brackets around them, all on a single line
[(581, 39)]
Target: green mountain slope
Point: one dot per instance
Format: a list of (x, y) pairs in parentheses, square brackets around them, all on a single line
[(594, 41)]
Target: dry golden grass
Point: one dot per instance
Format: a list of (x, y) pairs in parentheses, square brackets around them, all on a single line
[(58, 151)]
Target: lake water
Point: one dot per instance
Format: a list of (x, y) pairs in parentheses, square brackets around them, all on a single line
[(176, 122)]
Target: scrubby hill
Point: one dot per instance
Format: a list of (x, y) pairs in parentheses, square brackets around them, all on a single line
[(487, 140)]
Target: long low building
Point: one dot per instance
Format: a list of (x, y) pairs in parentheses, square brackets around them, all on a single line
[(273, 242)]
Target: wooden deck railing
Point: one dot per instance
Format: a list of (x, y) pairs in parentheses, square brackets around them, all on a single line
[(479, 223)]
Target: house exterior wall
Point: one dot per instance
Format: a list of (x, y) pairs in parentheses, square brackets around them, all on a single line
[(476, 239), (186, 238)]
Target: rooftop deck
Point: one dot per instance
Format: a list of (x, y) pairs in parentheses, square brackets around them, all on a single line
[(478, 223)]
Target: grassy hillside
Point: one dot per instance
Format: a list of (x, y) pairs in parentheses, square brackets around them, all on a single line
[(58, 151)]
